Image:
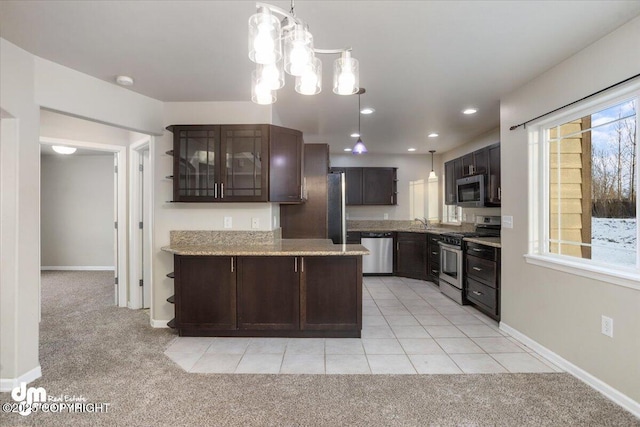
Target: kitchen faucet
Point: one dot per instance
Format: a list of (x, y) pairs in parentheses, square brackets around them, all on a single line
[(422, 221)]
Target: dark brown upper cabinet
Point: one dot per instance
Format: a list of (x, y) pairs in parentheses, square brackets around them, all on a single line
[(370, 186), (236, 163), (485, 161)]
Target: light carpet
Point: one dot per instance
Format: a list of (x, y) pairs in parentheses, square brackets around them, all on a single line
[(105, 354)]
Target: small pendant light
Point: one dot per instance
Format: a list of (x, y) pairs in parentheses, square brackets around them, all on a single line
[(359, 148), (432, 174)]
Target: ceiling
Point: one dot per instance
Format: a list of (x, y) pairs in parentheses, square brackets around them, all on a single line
[(421, 62)]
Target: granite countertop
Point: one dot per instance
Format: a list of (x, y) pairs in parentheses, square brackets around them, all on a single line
[(488, 241), (284, 247)]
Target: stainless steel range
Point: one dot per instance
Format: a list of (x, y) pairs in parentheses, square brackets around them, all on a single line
[(452, 256)]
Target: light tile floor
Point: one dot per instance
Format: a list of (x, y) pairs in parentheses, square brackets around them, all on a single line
[(409, 327)]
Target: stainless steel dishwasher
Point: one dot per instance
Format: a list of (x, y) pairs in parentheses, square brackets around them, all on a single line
[(380, 258)]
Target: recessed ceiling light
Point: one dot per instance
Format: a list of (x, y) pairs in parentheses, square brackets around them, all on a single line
[(124, 80), (61, 149), (347, 149), (367, 110), (470, 111), (433, 135), (411, 149), (355, 135)]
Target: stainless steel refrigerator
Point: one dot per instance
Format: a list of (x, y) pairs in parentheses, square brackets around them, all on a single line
[(336, 208)]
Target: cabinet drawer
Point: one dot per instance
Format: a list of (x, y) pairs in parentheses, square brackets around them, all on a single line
[(481, 294), (482, 251), (434, 270), (434, 254), (481, 269), (433, 239)]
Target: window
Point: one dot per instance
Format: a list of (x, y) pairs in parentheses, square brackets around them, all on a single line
[(584, 187)]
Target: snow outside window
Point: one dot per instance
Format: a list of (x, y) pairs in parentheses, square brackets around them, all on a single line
[(584, 187)]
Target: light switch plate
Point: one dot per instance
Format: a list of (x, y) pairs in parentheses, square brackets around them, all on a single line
[(228, 222), (386, 216), (507, 221), (255, 222)]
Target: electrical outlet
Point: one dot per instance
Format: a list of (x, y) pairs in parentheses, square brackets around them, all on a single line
[(275, 222), (255, 222), (228, 222), (607, 326), (386, 216), (507, 221)]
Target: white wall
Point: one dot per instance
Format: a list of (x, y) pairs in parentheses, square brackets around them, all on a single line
[(197, 216), (27, 83), (61, 126), (19, 218), (77, 211), (558, 310), (411, 167)]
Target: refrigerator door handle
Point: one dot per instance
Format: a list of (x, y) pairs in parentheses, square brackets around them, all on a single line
[(343, 203)]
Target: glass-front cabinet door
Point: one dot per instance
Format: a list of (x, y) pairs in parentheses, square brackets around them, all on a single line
[(196, 156), (244, 162)]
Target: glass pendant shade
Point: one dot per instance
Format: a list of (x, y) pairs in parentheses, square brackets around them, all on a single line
[(261, 92), (272, 75), (310, 82), (359, 148), (265, 46), (346, 75), (298, 50)]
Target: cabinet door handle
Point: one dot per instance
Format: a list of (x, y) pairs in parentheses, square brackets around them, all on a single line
[(222, 190), (477, 269), (499, 193), (302, 264), (477, 293), (215, 190), (434, 253), (295, 264), (435, 272), (232, 264), (476, 250)]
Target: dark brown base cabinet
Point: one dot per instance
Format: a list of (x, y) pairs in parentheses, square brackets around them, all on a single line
[(411, 255), (433, 249), (268, 296), (482, 278)]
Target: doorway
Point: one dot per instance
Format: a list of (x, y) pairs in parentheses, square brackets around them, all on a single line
[(119, 154), (141, 223)]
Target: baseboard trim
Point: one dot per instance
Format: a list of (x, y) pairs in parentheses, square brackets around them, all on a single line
[(78, 268), (616, 396), (159, 323), (8, 384)]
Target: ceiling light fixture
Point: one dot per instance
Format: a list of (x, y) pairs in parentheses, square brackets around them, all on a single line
[(411, 149), (268, 35), (432, 174), (124, 80), (367, 110), (62, 149), (347, 149), (433, 135), (359, 148), (354, 135), (470, 111)]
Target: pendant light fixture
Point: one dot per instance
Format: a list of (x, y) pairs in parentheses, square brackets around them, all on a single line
[(268, 36), (359, 148), (432, 174)]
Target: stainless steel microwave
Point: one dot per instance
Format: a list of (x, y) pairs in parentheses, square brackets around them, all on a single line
[(470, 191)]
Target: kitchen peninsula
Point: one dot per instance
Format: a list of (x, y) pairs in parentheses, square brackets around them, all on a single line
[(286, 287)]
